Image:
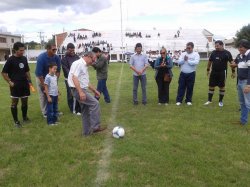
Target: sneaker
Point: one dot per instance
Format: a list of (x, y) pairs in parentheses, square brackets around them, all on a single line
[(136, 103), (45, 115), (208, 102), (166, 104), (178, 103), (78, 114), (144, 103), (18, 124), (159, 103), (220, 104), (189, 103), (59, 113), (52, 124)]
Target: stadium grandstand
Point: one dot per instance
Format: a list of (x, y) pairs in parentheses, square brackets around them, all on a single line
[(116, 44)]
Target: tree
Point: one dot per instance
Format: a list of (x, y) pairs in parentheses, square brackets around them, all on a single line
[(244, 33)]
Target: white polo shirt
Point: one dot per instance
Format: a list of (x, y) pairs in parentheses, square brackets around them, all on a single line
[(79, 68)]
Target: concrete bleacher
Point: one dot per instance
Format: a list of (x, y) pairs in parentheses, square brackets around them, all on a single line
[(155, 42)]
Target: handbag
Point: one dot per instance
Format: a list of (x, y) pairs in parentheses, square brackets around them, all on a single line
[(167, 78)]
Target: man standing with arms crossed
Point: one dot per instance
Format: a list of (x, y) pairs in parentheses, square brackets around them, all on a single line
[(139, 63), (218, 60), (42, 69)]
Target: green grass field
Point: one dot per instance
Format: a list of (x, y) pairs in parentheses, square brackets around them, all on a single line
[(164, 145)]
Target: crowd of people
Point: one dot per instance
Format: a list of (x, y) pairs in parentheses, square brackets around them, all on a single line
[(80, 101)]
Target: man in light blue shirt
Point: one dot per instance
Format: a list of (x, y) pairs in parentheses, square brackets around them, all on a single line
[(188, 62), (139, 63)]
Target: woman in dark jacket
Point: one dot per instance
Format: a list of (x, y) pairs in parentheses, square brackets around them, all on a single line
[(163, 76)]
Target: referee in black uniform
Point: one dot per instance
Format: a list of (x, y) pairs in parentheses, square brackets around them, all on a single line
[(218, 60), (16, 73)]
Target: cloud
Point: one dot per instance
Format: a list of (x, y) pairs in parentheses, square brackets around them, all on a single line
[(84, 6)]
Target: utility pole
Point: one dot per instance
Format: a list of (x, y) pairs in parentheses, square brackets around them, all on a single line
[(41, 36)]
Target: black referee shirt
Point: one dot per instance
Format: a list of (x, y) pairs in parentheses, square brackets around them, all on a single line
[(219, 60), (16, 68)]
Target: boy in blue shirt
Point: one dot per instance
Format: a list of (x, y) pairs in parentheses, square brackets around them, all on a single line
[(51, 91)]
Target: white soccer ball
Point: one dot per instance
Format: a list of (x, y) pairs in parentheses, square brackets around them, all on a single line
[(118, 132)]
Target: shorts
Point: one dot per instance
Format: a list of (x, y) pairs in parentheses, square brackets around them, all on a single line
[(217, 79), (20, 89)]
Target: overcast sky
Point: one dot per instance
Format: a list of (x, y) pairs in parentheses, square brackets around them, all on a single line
[(28, 17)]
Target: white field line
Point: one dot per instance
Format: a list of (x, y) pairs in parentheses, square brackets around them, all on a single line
[(103, 165)]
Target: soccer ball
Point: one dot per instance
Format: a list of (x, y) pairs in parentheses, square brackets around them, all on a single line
[(118, 132)]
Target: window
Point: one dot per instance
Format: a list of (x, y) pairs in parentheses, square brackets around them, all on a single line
[(12, 40), (2, 40), (113, 57)]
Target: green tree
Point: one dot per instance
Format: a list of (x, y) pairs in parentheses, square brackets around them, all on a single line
[(243, 33)]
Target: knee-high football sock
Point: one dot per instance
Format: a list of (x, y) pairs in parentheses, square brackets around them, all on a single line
[(24, 111), (210, 94), (222, 93), (14, 112)]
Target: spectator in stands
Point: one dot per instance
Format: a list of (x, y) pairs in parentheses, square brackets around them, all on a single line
[(6, 56), (188, 62), (42, 69), (67, 61), (217, 70), (163, 76), (139, 64), (101, 67)]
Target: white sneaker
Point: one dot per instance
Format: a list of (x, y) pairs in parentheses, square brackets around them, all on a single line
[(159, 103), (207, 103), (220, 104), (189, 103), (178, 103), (166, 104), (78, 114)]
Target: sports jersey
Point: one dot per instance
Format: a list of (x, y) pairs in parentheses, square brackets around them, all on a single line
[(219, 60), (16, 68)]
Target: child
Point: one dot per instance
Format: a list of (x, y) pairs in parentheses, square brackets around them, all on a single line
[(51, 91)]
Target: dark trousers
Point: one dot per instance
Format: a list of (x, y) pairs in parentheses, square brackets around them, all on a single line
[(73, 104), (52, 109), (102, 88), (186, 84), (163, 89)]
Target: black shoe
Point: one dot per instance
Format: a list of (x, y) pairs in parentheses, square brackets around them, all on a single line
[(144, 103), (136, 103), (18, 124), (26, 120)]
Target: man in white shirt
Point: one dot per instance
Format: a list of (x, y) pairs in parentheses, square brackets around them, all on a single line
[(188, 62), (78, 81)]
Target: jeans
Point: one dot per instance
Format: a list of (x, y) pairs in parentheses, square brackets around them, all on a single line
[(102, 88), (73, 104), (143, 80), (244, 99), (52, 109), (186, 84)]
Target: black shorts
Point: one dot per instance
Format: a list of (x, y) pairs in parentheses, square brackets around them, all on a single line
[(217, 79), (20, 89)]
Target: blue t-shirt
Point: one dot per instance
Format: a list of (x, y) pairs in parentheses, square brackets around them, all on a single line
[(51, 81), (43, 61)]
